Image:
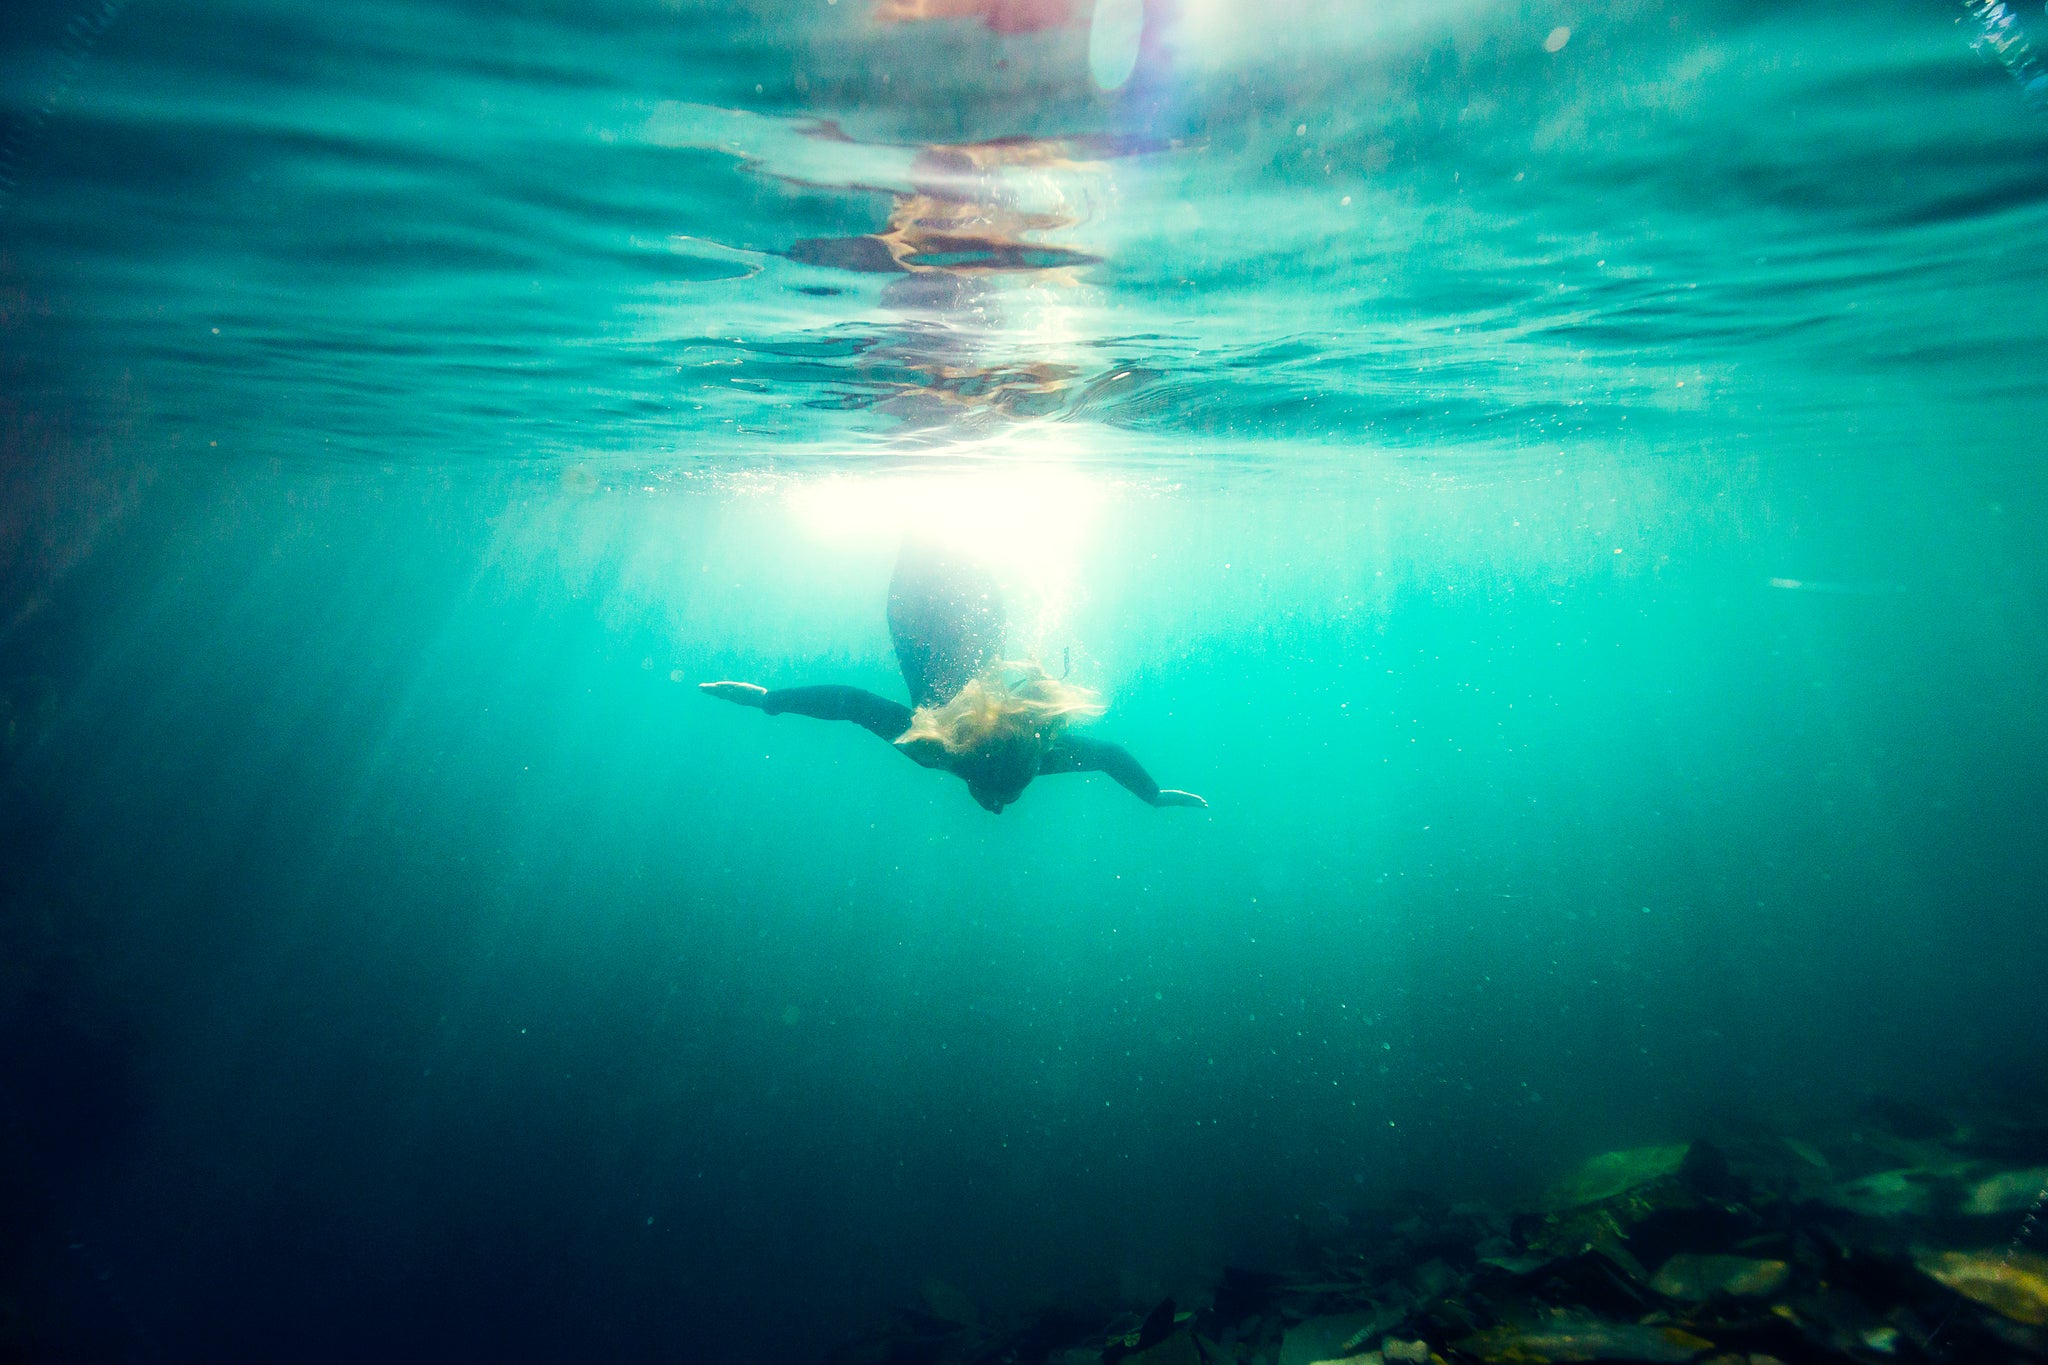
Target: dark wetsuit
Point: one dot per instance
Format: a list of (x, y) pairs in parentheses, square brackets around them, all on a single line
[(946, 617), (1070, 753)]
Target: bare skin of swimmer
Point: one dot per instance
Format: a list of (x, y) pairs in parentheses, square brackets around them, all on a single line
[(947, 621)]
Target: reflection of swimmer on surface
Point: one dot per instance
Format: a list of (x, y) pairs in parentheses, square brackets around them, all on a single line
[(994, 723), (1002, 16), (961, 214), (973, 270)]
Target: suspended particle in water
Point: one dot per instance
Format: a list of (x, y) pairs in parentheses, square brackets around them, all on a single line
[(1559, 36)]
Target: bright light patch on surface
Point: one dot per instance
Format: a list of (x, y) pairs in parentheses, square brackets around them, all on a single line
[(1029, 523), (1019, 519)]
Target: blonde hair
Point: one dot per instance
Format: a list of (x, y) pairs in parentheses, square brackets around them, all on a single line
[(1010, 702)]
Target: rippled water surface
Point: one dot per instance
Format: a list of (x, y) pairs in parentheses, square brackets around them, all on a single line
[(698, 235), (1564, 481)]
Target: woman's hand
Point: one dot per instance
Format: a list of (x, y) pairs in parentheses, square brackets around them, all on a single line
[(1169, 796), (739, 693)]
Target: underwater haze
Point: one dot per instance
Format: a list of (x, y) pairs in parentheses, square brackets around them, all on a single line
[(1564, 483)]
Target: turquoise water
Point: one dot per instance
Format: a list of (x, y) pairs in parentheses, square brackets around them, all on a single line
[(1563, 483)]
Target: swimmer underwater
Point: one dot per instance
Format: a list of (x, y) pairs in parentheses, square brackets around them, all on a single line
[(996, 724)]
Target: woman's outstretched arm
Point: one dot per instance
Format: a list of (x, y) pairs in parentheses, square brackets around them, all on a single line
[(877, 715), (1079, 754)]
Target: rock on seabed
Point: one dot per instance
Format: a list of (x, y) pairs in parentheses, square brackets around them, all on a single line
[(1585, 1340), (1696, 1277), (2014, 1283)]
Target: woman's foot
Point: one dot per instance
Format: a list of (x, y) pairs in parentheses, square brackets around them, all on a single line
[(742, 694)]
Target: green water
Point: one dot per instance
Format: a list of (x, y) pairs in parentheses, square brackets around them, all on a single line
[(1575, 515)]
